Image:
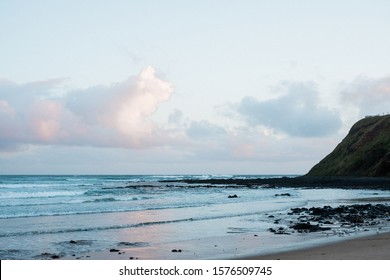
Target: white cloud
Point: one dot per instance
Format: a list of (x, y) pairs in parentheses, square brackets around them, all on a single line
[(296, 113), (108, 116)]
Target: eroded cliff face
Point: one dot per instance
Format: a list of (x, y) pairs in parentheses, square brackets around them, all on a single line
[(365, 151)]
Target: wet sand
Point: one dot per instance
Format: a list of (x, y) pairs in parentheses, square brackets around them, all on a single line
[(374, 247), (371, 247)]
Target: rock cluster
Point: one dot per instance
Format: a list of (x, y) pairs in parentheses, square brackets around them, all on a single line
[(352, 216)]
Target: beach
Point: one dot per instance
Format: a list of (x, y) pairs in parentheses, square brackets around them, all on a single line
[(363, 236)]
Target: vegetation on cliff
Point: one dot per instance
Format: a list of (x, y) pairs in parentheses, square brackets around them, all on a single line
[(364, 152)]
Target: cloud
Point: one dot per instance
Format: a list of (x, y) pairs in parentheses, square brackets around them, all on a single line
[(369, 96), (176, 117), (296, 113), (205, 129), (103, 116), (81, 121)]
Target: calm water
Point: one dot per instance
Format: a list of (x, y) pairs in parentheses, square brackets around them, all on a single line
[(42, 214)]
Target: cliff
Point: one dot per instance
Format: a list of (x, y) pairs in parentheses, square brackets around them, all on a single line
[(364, 152)]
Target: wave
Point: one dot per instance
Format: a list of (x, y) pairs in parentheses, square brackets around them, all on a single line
[(42, 194), (38, 203), (107, 199), (29, 202)]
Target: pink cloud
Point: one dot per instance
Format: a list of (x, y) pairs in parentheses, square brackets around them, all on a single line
[(108, 116), (44, 120), (5, 108)]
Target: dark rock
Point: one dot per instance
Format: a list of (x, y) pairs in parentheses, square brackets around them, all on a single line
[(114, 250), (132, 244), (299, 210), (308, 227), (80, 242), (356, 219), (176, 251), (47, 256), (283, 194), (324, 212), (233, 196), (280, 230)]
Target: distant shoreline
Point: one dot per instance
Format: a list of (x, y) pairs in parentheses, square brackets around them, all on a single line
[(380, 183)]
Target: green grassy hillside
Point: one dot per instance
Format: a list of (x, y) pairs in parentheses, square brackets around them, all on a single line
[(365, 151)]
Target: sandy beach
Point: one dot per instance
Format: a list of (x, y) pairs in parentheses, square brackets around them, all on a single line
[(374, 247)]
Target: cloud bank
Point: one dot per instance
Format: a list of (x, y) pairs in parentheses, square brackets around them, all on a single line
[(296, 113), (102, 116), (268, 132)]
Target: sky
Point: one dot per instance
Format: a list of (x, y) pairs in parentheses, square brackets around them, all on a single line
[(186, 87)]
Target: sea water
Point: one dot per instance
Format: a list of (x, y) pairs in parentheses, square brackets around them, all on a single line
[(73, 215)]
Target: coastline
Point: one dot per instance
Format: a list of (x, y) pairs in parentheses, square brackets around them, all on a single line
[(372, 247)]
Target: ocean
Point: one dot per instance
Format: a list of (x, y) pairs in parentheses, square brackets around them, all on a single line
[(150, 216)]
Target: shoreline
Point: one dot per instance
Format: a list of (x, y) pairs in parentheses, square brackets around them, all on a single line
[(371, 247), (374, 246)]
